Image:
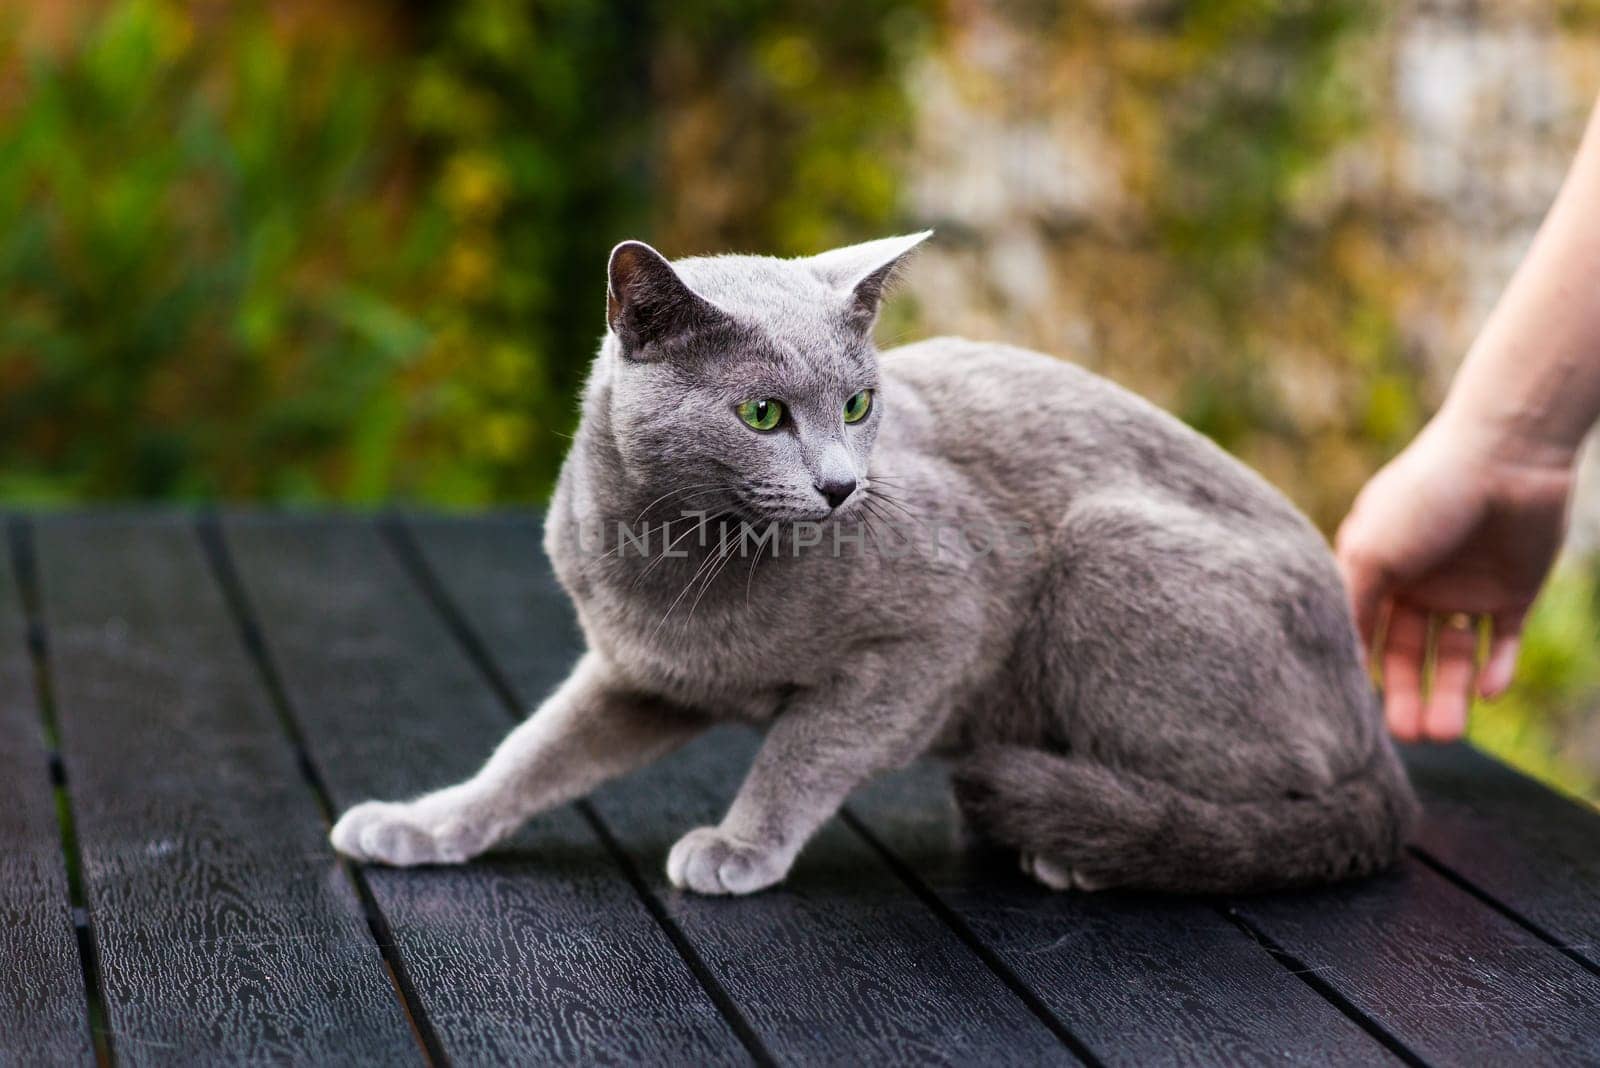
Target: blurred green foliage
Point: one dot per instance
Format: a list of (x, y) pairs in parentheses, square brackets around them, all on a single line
[(1256, 99), (1546, 724), (782, 126), (534, 120), (1235, 276), (204, 285), (240, 261)]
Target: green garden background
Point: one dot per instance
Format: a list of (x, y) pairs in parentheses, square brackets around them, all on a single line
[(350, 253)]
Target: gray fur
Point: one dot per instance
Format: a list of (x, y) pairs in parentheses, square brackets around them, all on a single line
[(1165, 692)]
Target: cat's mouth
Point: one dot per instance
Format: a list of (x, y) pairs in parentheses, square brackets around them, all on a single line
[(790, 510), (799, 513)]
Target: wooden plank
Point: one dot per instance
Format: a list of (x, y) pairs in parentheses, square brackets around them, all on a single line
[(841, 964), (44, 1015), (542, 952), (1447, 976), (1529, 848), (1142, 980), (226, 932)]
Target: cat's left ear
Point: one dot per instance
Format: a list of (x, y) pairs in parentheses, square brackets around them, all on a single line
[(864, 271), (647, 304)]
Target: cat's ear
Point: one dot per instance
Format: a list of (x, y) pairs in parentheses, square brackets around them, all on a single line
[(647, 303), (863, 271)]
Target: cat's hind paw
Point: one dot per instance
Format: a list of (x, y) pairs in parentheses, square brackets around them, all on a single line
[(1055, 875), (709, 862), (404, 834)]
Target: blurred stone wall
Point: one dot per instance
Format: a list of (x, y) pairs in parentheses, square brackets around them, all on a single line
[(1033, 155)]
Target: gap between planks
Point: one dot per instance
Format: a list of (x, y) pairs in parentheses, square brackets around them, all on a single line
[(400, 539), (405, 547), (1326, 990), (397, 537), (214, 544), (19, 535), (397, 534), (1465, 885), (950, 918)]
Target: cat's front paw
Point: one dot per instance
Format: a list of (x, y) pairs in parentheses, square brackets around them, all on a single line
[(708, 861), (403, 834)]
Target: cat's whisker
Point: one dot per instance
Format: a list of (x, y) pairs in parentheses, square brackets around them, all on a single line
[(905, 529), (597, 561), (891, 499), (877, 510), (693, 508), (622, 542), (866, 524), (687, 586), (879, 493), (672, 493), (667, 549), (900, 520), (760, 546), (675, 491), (603, 557), (867, 503), (615, 551), (723, 558), (914, 517), (876, 488)]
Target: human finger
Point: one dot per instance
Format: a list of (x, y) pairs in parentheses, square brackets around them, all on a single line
[(1405, 647), (1501, 663), (1455, 665), (1365, 582)]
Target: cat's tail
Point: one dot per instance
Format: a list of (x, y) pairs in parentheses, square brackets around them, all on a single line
[(1110, 828)]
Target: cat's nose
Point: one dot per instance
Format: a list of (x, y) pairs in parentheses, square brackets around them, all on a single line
[(837, 492)]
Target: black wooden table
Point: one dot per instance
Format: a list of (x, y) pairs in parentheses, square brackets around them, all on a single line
[(184, 703)]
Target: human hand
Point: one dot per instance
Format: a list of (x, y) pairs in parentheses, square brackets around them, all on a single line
[(1464, 523)]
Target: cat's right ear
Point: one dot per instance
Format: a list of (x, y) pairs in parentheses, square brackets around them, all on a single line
[(864, 271), (647, 304)]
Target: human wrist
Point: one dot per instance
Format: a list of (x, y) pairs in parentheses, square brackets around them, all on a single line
[(1509, 430)]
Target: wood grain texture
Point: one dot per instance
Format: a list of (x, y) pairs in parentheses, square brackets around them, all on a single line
[(1531, 849), (44, 1016), (541, 952), (1142, 980), (840, 965), (1451, 979), (226, 931)]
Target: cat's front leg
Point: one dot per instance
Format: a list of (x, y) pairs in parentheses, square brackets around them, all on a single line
[(822, 746), (590, 730)]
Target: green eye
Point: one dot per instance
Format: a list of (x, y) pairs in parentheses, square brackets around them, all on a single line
[(761, 414), (857, 407)]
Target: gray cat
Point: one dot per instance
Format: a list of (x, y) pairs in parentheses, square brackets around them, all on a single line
[(1136, 653)]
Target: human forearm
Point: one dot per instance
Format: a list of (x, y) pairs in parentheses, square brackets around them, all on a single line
[(1531, 383)]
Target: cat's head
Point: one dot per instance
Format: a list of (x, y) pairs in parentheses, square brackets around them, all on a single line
[(748, 384)]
